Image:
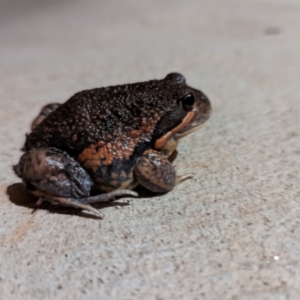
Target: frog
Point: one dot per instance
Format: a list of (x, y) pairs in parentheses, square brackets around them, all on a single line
[(102, 143)]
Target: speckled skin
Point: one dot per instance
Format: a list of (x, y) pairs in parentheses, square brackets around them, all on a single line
[(114, 133)]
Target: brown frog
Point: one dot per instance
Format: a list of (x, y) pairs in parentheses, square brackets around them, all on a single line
[(106, 141)]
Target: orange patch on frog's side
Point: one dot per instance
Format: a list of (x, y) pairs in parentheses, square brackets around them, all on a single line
[(104, 154), (161, 141)]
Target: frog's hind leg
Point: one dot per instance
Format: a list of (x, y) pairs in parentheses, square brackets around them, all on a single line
[(54, 176), (156, 173), (45, 112)]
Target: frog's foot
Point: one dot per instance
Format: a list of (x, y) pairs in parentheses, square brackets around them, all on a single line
[(45, 112), (155, 172), (83, 203)]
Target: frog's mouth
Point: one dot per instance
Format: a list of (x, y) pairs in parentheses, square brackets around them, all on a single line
[(189, 124), (196, 122), (186, 132)]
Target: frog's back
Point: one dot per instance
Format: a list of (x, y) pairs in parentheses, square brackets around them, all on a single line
[(122, 115)]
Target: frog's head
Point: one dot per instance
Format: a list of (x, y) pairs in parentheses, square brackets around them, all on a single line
[(189, 111)]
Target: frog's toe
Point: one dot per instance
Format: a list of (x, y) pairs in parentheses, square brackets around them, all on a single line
[(84, 203), (45, 112), (69, 202), (183, 178), (107, 197)]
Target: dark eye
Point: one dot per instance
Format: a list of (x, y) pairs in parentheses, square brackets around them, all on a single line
[(188, 101)]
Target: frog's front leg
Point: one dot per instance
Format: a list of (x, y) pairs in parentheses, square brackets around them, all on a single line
[(45, 112), (155, 172), (54, 176)]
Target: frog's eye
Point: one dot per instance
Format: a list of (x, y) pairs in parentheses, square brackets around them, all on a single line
[(188, 101)]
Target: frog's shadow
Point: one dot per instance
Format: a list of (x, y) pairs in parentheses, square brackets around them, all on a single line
[(18, 195)]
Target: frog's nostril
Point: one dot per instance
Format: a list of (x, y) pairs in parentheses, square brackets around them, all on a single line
[(208, 113)]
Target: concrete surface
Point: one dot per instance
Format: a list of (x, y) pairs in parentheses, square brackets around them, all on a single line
[(233, 231)]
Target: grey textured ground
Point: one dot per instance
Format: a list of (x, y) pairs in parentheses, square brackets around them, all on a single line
[(233, 231)]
